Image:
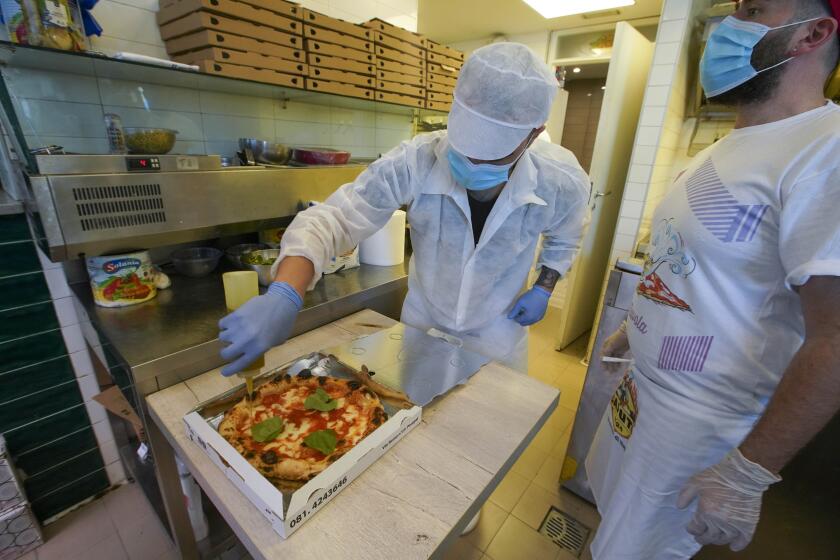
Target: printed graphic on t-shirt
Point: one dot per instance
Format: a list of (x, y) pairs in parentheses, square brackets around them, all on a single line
[(623, 409), (720, 212), (667, 248), (684, 353)]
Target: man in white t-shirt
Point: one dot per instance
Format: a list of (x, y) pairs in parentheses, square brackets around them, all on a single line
[(735, 325)]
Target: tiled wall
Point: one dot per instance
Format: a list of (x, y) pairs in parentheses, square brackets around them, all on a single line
[(57, 436), (657, 146)]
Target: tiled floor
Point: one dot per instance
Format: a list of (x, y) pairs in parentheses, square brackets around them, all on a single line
[(123, 526)]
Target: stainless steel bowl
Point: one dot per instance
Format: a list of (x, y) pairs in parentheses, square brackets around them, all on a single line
[(265, 151), (196, 261), (235, 252), (263, 270), (150, 141)]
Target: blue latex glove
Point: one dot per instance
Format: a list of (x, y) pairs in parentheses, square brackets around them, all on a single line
[(530, 307), (92, 26), (261, 323)]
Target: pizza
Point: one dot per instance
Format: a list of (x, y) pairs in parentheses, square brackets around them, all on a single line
[(653, 288), (302, 424)]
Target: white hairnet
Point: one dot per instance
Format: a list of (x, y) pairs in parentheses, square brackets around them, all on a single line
[(503, 92)]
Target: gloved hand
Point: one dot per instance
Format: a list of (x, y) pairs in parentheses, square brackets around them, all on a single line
[(530, 307), (261, 323), (616, 346), (729, 501)]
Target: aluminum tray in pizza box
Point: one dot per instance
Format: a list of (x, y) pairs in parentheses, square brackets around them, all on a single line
[(287, 510)]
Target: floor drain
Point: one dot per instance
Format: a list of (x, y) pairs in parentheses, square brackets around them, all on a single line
[(565, 531)]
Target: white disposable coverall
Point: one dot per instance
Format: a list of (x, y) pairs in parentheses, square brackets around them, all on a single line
[(455, 285)]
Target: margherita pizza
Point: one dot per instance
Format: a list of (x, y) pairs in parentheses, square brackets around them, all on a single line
[(302, 424)]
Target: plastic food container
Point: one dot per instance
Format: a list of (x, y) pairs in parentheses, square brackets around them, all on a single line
[(320, 156), (196, 262), (121, 280)]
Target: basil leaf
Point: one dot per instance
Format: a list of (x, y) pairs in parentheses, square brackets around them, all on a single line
[(320, 400), (322, 440), (267, 430)]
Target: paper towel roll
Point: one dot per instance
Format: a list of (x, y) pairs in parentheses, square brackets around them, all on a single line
[(386, 247)]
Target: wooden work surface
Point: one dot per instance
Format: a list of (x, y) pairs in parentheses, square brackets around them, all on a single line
[(411, 503)]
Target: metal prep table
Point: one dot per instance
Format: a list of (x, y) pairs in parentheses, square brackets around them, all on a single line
[(415, 500)]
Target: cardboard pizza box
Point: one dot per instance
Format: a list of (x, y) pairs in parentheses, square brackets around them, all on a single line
[(337, 38), (401, 78), (175, 9), (440, 88), (399, 44), (440, 97), (436, 58), (282, 7), (339, 88), (444, 50), (338, 63), (398, 32), (444, 79), (397, 56), (320, 20), (253, 60), (329, 49), (210, 38), (263, 75), (438, 105), (400, 99), (442, 69), (198, 21), (340, 76), (392, 66), (396, 87)]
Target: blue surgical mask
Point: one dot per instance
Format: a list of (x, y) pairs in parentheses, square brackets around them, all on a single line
[(726, 60), (476, 176)]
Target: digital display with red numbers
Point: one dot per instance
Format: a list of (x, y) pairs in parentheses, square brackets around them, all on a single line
[(142, 163)]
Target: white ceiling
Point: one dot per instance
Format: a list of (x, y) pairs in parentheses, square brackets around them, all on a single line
[(451, 21)]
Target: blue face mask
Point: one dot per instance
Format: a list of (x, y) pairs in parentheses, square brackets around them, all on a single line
[(476, 176), (726, 62)]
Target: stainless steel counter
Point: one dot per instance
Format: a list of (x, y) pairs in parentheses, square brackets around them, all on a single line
[(174, 336)]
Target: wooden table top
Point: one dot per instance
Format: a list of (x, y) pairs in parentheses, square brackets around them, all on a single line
[(411, 503)]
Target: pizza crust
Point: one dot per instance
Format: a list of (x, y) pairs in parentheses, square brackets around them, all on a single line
[(285, 460)]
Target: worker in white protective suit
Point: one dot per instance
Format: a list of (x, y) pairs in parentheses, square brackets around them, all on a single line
[(734, 326), (480, 199)]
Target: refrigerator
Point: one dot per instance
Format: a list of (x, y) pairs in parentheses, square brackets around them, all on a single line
[(599, 384)]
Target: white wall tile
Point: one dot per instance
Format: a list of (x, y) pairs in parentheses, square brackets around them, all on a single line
[(59, 118), (404, 6), (66, 312), (301, 134), (352, 118), (226, 127), (111, 45), (635, 191), (404, 21), (127, 23), (644, 155), (51, 86), (230, 104), (656, 96), (57, 283), (666, 53), (222, 147), (675, 9), (302, 112), (628, 226), (74, 340), (103, 432), (82, 364), (648, 136), (391, 120), (639, 173), (652, 116), (625, 243), (661, 74), (46, 263), (631, 209), (190, 147), (116, 473), (146, 96), (70, 144), (96, 412), (88, 386), (671, 31), (110, 453)]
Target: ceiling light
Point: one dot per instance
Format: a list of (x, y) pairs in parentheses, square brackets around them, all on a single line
[(576, 69), (552, 8), (603, 87)]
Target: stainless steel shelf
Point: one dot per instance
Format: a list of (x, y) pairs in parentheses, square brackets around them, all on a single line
[(101, 66)]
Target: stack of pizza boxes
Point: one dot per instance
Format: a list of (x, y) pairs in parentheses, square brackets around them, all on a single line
[(442, 65), (247, 39), (400, 64), (340, 56)]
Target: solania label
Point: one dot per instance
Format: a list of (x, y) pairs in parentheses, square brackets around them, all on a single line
[(120, 264)]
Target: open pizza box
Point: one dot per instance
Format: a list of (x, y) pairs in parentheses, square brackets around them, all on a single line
[(421, 365)]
